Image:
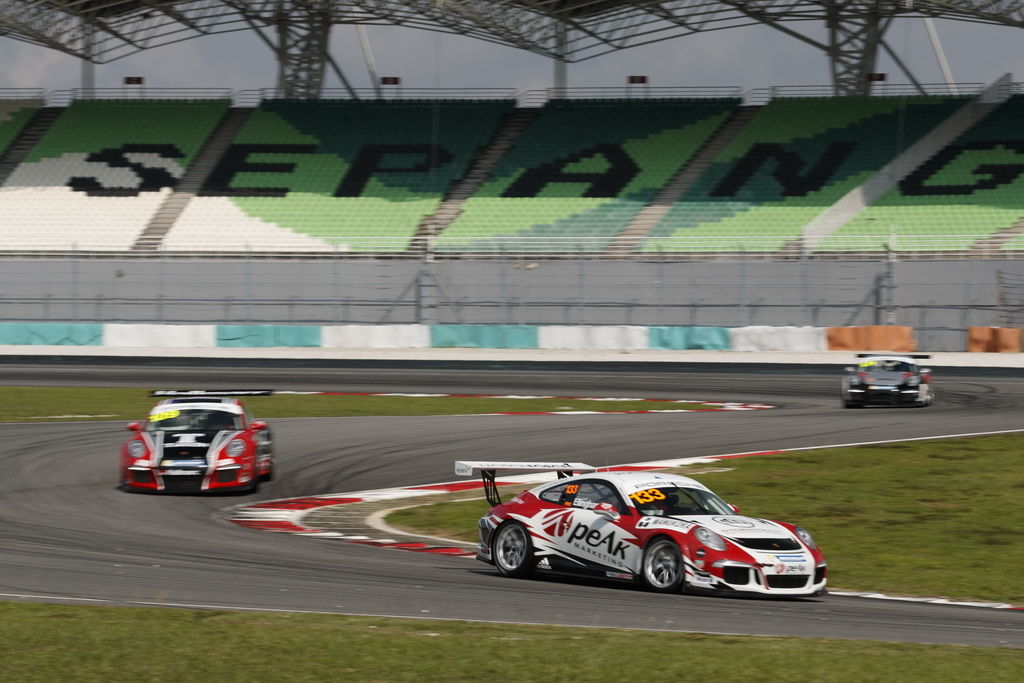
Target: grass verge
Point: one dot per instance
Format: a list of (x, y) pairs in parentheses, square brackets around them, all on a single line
[(57, 642), (18, 404), (931, 518)]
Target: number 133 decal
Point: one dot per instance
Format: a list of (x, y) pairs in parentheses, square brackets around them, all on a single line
[(647, 496)]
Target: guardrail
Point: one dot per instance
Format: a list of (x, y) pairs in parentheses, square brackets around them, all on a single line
[(524, 98), (62, 98), (764, 95), (537, 98), (22, 94), (252, 98), (894, 248)]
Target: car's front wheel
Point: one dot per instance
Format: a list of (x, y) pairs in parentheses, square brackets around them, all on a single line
[(662, 568), (512, 550)]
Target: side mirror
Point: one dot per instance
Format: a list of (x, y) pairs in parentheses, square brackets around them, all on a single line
[(735, 508), (926, 371), (258, 425), (607, 511), (134, 427), (850, 368)]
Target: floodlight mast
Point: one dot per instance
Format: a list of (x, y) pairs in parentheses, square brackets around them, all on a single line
[(102, 31)]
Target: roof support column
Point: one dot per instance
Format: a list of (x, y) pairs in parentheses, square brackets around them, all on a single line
[(854, 33), (303, 35), (88, 84), (561, 74)]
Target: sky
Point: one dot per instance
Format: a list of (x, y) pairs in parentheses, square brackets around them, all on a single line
[(752, 57)]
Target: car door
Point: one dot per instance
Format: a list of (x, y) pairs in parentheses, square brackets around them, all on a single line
[(589, 539)]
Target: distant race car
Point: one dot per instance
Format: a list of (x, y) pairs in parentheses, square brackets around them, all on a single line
[(198, 442), (887, 379), (667, 532)]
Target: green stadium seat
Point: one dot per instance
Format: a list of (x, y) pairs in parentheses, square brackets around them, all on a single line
[(971, 189), (580, 172), (355, 175), (794, 159)]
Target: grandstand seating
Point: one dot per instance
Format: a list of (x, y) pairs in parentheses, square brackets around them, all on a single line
[(14, 114), (580, 172), (971, 188), (322, 174), (97, 175), (795, 158)]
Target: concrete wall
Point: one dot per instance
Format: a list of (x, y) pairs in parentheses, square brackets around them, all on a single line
[(940, 299)]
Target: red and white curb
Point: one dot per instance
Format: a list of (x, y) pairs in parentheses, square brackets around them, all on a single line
[(714, 406), (285, 515)]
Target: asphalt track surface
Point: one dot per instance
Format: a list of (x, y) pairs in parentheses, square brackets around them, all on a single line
[(68, 535)]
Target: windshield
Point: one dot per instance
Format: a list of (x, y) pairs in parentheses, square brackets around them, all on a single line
[(178, 420), (887, 366), (666, 501)]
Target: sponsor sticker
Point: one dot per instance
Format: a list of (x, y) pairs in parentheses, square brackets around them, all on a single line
[(180, 472), (165, 415), (618, 575), (664, 523)]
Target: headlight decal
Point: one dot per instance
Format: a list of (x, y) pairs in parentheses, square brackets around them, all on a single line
[(235, 448), (804, 536), (709, 538)]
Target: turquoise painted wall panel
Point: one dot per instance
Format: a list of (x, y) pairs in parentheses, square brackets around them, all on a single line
[(51, 334), (484, 336)]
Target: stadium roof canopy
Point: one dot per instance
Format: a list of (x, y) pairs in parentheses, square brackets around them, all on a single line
[(568, 30)]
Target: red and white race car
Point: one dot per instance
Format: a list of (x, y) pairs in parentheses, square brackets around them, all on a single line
[(666, 531), (196, 442)]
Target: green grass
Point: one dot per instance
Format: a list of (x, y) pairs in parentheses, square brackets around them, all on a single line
[(929, 518), (57, 643), (60, 403)]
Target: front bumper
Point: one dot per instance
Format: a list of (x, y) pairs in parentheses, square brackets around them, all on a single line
[(758, 580), (173, 480)]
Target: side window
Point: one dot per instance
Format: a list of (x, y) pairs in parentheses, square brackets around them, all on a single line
[(562, 494), (593, 493)]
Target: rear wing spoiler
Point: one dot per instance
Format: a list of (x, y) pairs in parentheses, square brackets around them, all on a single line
[(198, 393), (488, 469), (918, 356)]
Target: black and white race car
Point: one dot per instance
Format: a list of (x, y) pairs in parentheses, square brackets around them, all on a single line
[(887, 379)]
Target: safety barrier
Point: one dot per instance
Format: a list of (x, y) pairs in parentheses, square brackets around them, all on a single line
[(753, 338), (994, 339)]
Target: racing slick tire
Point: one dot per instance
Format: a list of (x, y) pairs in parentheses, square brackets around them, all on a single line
[(851, 404), (662, 569), (512, 550)]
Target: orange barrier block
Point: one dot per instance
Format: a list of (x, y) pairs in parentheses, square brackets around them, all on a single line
[(1008, 340), (889, 338), (981, 339), (994, 339), (844, 338), (895, 338)]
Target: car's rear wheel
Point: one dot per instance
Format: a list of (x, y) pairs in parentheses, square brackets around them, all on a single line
[(851, 404), (512, 550), (662, 566)]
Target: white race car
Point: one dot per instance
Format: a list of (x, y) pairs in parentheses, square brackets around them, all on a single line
[(665, 531)]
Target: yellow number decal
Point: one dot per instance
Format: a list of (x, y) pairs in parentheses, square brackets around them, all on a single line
[(572, 488), (647, 496), (166, 415)]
